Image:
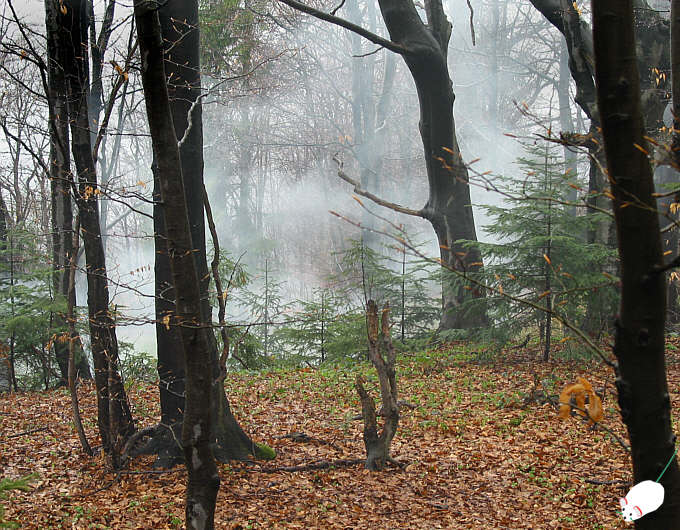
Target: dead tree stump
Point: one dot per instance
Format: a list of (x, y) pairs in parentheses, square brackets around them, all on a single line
[(378, 445)]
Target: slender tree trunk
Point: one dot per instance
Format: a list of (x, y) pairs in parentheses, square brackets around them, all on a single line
[(98, 46), (667, 176), (60, 194), (548, 267), (12, 338), (364, 115), (5, 368), (244, 224), (495, 50), (71, 28), (70, 316), (197, 431), (567, 123), (639, 341)]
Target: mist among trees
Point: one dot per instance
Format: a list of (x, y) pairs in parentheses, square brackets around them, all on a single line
[(289, 240)]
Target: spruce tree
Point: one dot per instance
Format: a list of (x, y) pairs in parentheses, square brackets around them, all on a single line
[(539, 251)]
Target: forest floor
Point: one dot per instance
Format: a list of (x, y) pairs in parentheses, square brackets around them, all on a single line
[(477, 452)]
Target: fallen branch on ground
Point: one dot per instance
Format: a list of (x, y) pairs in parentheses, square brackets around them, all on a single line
[(305, 438), (322, 464), (39, 429)]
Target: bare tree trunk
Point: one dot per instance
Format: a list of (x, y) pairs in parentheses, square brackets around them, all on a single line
[(60, 194), (98, 46), (449, 206), (424, 49), (673, 284), (179, 27), (548, 267), (567, 123), (197, 431), (5, 366), (75, 409), (639, 341), (72, 34)]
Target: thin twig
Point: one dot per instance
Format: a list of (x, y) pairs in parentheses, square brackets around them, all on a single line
[(606, 482), (472, 22), (305, 438)]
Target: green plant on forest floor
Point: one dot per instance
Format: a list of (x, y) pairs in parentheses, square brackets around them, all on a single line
[(7, 485)]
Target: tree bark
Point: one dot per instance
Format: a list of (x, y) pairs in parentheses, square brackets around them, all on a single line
[(5, 367), (60, 196), (70, 316), (197, 430), (378, 445), (181, 38), (567, 124), (449, 206), (672, 237), (114, 417), (639, 341)]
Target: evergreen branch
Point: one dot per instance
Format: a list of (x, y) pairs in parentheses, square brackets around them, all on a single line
[(497, 291)]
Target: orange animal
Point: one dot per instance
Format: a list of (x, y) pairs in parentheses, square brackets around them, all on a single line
[(588, 403)]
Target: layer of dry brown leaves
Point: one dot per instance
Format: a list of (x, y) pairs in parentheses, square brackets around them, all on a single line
[(476, 456)]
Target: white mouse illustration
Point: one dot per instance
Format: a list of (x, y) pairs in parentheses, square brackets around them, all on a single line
[(642, 499)]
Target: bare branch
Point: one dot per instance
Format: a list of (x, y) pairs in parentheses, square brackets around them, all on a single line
[(359, 191), (321, 15), (122, 79)]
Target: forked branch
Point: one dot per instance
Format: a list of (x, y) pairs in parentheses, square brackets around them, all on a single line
[(378, 445)]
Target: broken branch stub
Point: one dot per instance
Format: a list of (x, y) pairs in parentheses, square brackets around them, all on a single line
[(378, 445)]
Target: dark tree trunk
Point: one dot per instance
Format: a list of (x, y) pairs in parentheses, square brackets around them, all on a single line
[(448, 207), (653, 58), (424, 49), (5, 361), (179, 27), (98, 45), (197, 430), (72, 373), (60, 194), (672, 241), (114, 417), (639, 343), (666, 177)]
